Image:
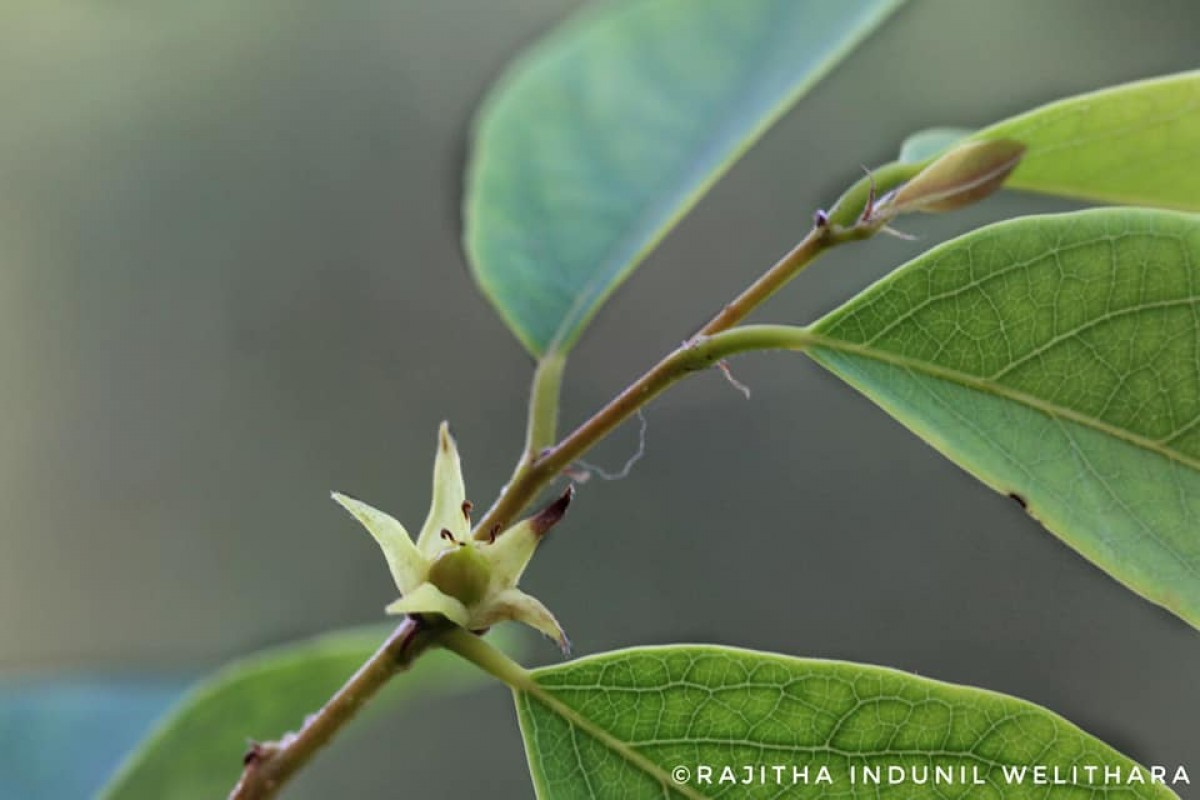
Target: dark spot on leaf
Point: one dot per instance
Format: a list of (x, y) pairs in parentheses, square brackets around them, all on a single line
[(1019, 500)]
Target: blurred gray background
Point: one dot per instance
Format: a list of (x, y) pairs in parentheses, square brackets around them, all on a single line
[(230, 281)]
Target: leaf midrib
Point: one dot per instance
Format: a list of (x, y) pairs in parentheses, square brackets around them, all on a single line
[(535, 690), (527, 688), (810, 340)]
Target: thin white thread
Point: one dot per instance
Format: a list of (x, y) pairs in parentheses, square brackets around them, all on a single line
[(734, 382), (589, 469)]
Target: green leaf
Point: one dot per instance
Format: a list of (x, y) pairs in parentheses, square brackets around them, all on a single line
[(1137, 143), (1057, 359), (601, 138), (925, 145), (647, 723), (196, 750)]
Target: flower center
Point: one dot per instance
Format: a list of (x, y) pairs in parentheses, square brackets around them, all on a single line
[(461, 572)]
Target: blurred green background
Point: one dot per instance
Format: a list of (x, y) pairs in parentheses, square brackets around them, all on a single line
[(230, 281)]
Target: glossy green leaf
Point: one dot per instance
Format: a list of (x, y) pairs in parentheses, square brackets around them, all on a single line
[(605, 134), (1137, 143), (196, 750), (925, 145), (1056, 358), (666, 722)]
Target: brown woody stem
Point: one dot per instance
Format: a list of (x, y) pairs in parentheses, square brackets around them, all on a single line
[(269, 765), (701, 351)]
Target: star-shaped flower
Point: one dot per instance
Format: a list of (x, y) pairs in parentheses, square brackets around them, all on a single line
[(471, 582)]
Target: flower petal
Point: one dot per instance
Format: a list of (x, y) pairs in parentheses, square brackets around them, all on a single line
[(509, 553), (446, 510), (428, 599), (513, 604), (407, 565)]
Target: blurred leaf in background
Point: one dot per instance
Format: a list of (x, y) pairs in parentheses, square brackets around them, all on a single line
[(605, 134), (196, 751), (65, 737), (61, 737)]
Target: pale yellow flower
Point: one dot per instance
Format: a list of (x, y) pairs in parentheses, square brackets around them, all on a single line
[(471, 582)]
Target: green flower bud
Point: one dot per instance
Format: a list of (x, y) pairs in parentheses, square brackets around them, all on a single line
[(963, 175), (462, 572)]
